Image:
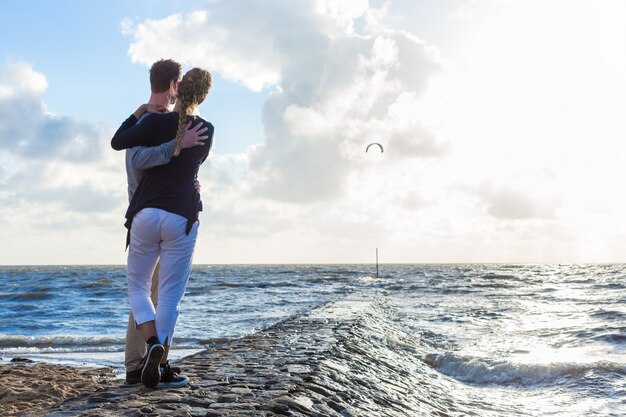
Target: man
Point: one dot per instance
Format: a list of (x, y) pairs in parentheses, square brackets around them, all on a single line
[(164, 78)]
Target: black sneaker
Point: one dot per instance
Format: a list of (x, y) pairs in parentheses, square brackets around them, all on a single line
[(170, 378), (151, 372), (134, 377)]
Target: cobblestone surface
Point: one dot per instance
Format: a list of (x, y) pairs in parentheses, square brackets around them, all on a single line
[(306, 366)]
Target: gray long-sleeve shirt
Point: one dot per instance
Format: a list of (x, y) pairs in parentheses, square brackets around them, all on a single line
[(141, 158)]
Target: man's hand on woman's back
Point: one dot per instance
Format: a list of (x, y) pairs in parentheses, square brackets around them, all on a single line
[(193, 136)]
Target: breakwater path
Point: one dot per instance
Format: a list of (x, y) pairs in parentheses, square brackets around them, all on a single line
[(324, 363)]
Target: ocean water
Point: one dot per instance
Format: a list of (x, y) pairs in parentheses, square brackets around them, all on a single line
[(486, 340)]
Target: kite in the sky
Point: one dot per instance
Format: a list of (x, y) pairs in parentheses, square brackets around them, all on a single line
[(377, 144)]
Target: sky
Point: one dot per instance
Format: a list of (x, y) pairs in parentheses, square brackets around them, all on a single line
[(502, 124)]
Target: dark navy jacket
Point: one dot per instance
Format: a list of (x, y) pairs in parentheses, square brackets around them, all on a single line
[(169, 187)]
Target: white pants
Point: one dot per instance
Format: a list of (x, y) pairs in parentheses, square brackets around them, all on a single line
[(157, 233)]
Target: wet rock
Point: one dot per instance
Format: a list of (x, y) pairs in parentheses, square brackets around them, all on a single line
[(316, 388), (298, 402), (277, 408), (23, 360), (335, 406), (298, 369), (229, 398), (240, 406)]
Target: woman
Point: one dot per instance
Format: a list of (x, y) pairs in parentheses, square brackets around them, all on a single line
[(162, 219)]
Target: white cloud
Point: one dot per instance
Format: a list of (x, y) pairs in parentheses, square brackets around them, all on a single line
[(514, 153), (247, 56), (335, 89), (29, 130), (19, 79), (338, 77), (59, 184), (341, 14), (504, 202)]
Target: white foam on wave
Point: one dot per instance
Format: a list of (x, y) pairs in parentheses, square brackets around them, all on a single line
[(89, 358), (484, 371), (21, 341), (368, 279), (22, 351)]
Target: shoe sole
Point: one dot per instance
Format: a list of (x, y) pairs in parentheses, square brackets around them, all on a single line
[(151, 372), (178, 384)]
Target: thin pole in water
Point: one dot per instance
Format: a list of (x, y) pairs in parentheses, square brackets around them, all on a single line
[(376, 262)]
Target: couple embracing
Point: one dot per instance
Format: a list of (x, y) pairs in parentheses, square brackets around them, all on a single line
[(164, 151)]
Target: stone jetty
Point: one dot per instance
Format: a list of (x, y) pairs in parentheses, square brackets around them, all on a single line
[(323, 363)]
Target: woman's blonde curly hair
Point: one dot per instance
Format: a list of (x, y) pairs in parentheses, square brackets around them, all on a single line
[(192, 89)]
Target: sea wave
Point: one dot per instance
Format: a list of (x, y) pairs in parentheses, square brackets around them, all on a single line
[(610, 286), (23, 345), (610, 315), (103, 282), (495, 276), (28, 351), (605, 333), (485, 371), (27, 296), (20, 341), (253, 284)]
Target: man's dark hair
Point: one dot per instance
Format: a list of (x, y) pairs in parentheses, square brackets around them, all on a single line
[(162, 73)]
